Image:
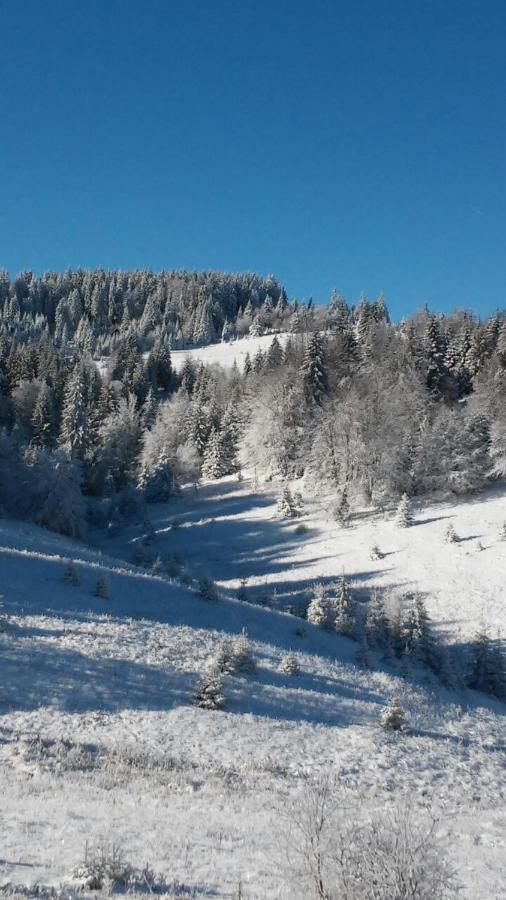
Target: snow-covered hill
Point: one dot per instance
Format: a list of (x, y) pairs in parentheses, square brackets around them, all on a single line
[(100, 741)]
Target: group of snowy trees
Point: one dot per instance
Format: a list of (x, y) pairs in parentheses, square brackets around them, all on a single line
[(371, 410), (403, 631), (361, 408)]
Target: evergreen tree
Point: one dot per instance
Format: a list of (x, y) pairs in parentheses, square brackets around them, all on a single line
[(101, 588), (286, 506), (404, 515), (314, 370), (487, 670), (289, 665), (345, 618), (321, 611), (342, 510), (44, 418), (243, 655), (71, 575), (213, 464), (393, 717), (208, 693), (376, 623), (451, 535)]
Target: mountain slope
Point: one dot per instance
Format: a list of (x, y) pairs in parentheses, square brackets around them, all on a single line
[(100, 740)]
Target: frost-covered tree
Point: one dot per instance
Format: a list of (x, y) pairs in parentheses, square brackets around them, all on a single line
[(314, 370), (450, 535), (376, 622), (321, 610), (289, 665), (208, 693), (119, 441), (55, 499), (345, 621), (243, 654), (286, 506), (213, 463), (342, 510), (393, 717), (44, 418), (404, 515)]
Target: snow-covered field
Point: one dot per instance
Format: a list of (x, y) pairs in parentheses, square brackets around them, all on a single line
[(99, 740)]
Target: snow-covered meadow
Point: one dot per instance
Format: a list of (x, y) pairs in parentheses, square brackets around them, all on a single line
[(99, 737)]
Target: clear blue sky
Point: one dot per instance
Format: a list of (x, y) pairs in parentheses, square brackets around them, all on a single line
[(359, 144)]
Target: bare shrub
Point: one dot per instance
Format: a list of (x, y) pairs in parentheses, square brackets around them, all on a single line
[(334, 851)]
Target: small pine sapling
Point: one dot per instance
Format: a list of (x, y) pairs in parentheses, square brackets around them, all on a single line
[(502, 533), (320, 611), (404, 515), (224, 661), (289, 665), (241, 593), (71, 575), (451, 535), (157, 566), (101, 588), (345, 619), (207, 589), (393, 717), (286, 507), (243, 655), (208, 692), (375, 552), (298, 501), (342, 510)]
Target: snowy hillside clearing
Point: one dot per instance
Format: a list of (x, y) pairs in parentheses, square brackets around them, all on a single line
[(227, 352), (99, 740)]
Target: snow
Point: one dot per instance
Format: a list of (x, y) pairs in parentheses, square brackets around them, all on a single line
[(227, 352), (98, 737)]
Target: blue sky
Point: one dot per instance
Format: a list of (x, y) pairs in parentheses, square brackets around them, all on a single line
[(356, 144)]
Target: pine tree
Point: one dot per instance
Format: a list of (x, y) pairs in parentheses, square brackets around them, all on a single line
[(342, 510), (207, 589), (243, 656), (44, 418), (345, 619), (101, 588), (314, 371), (213, 465), (451, 535), (208, 692), (487, 671), (321, 611), (274, 357), (71, 575), (404, 515), (375, 552), (247, 368), (376, 622), (393, 717), (286, 506), (289, 665)]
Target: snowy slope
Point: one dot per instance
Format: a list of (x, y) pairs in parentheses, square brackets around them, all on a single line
[(226, 352), (193, 792)]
